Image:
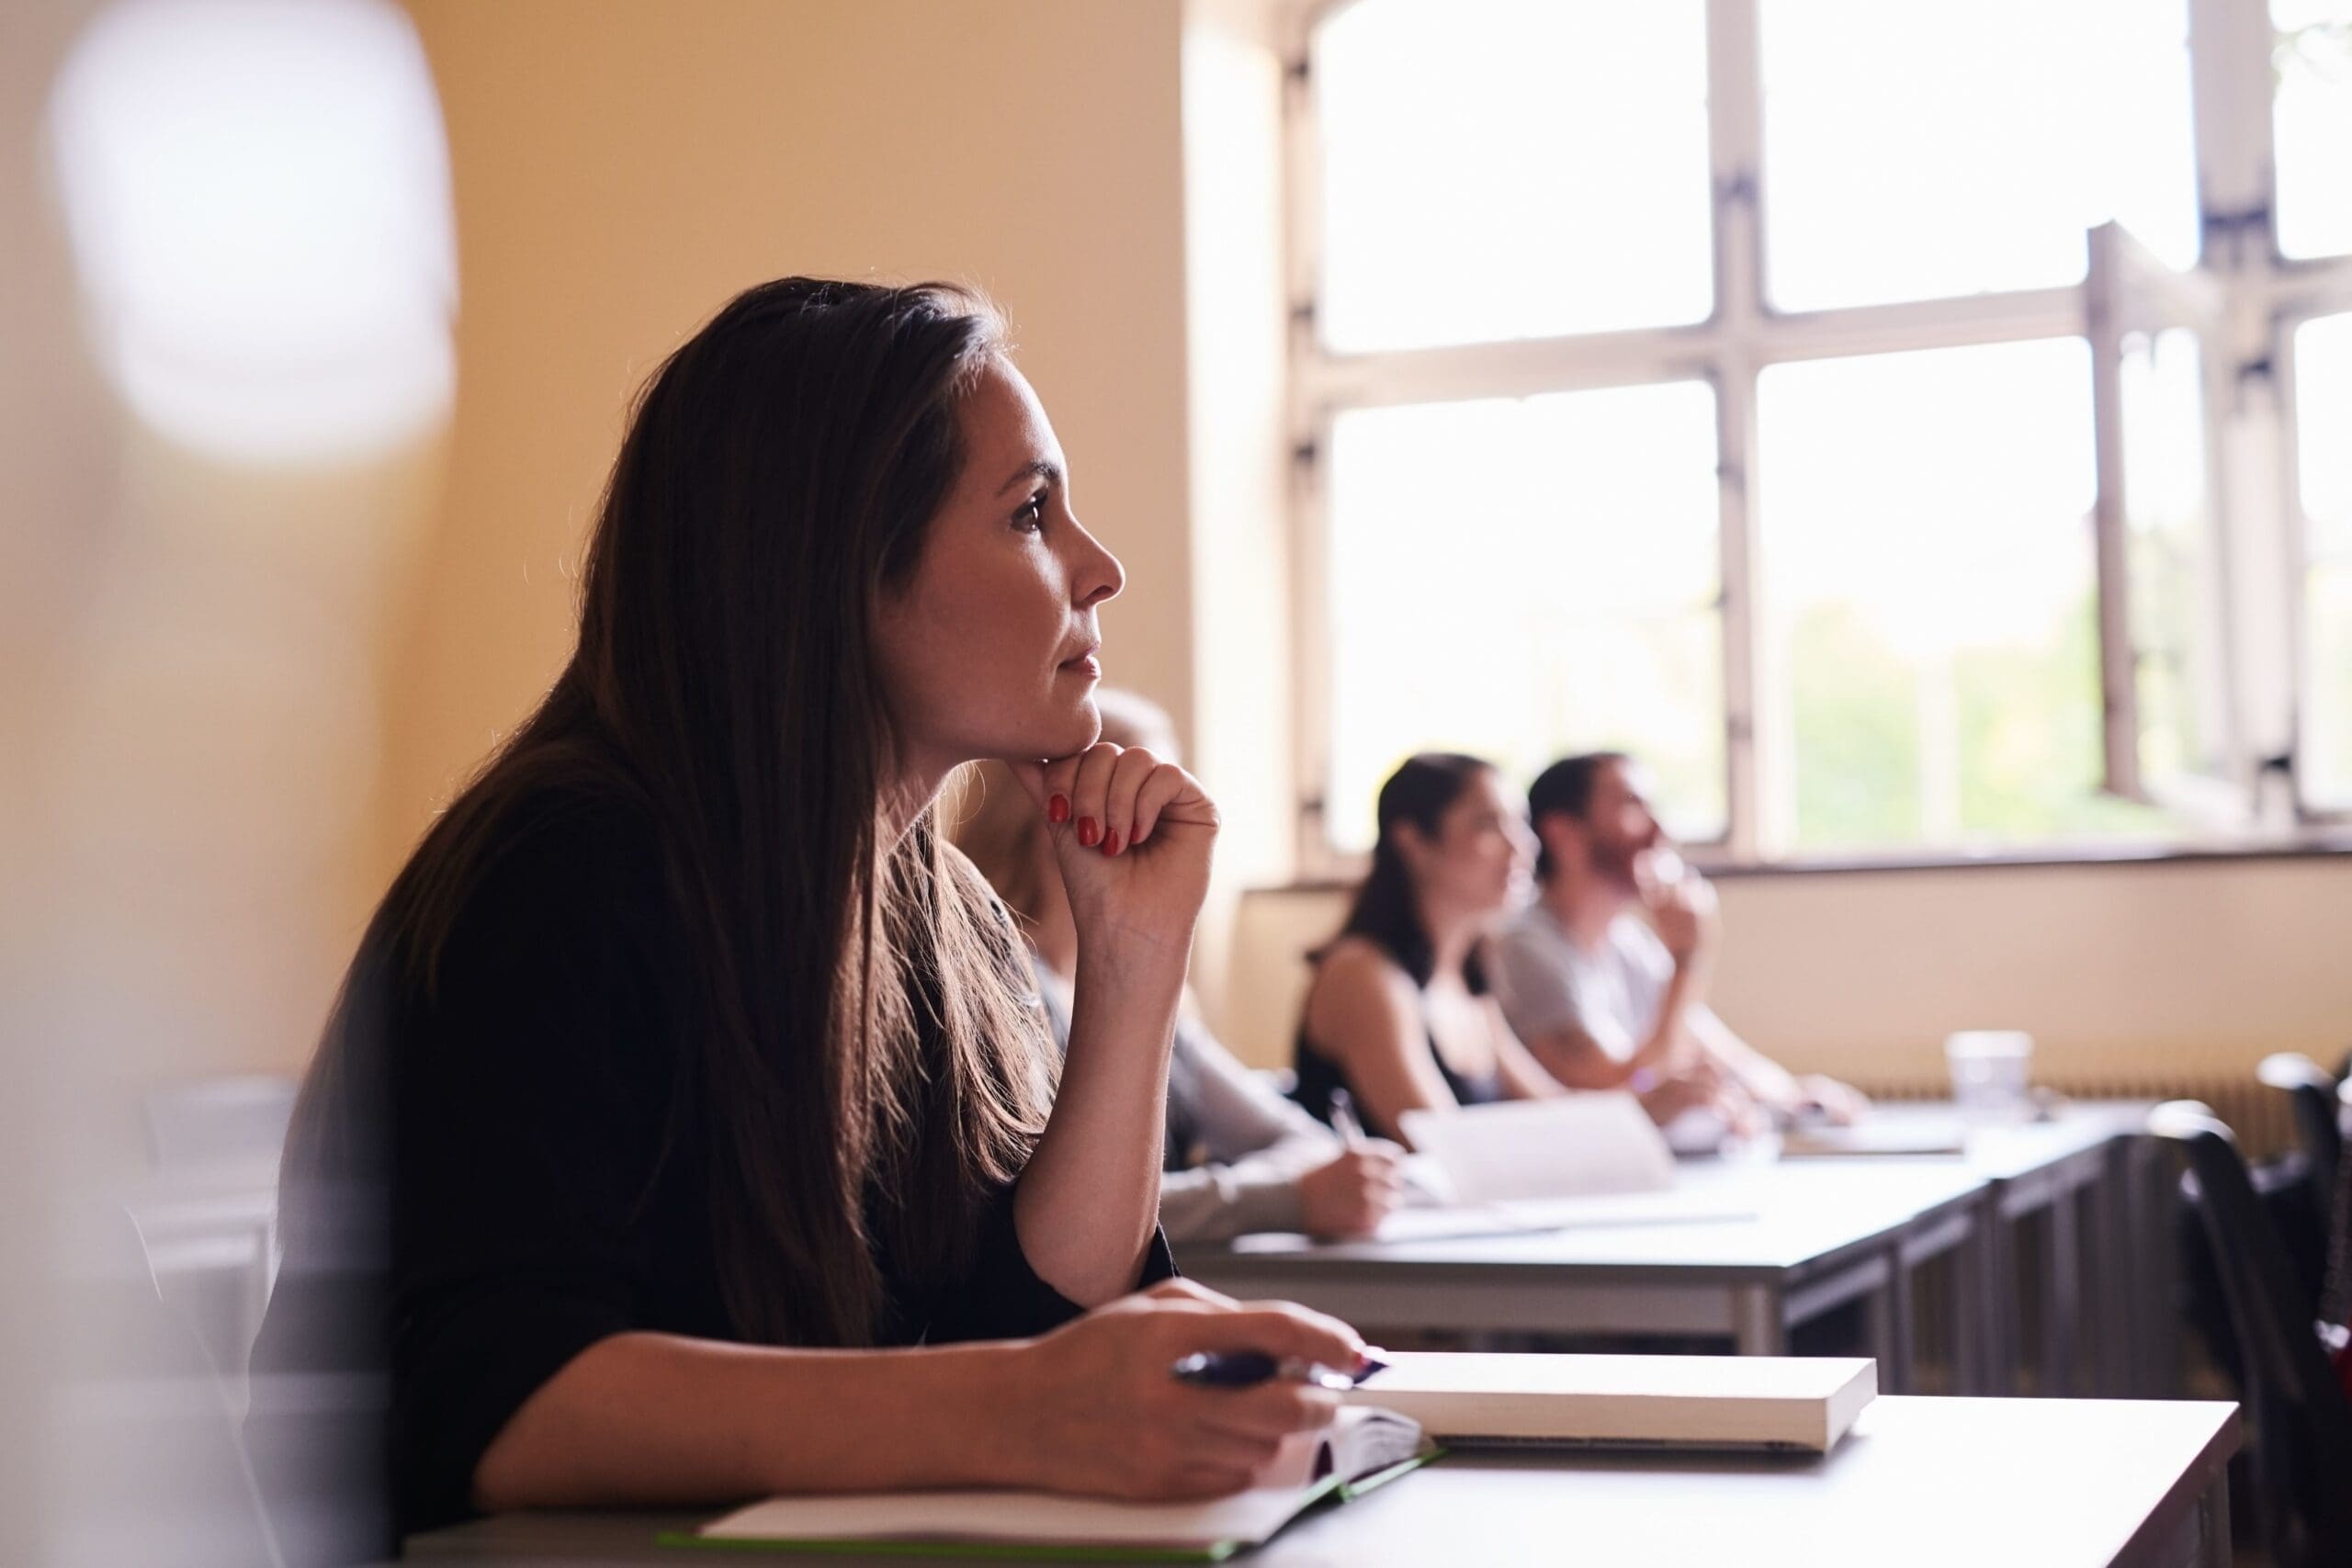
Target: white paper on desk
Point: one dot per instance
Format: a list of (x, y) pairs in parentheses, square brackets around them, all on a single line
[(1574, 1145), (1529, 1216)]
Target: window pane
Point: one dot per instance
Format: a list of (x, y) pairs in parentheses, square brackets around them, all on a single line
[(1929, 594), (2325, 766), (2311, 125), (2322, 414), (1915, 152), (1511, 168), (2169, 549), (1523, 580)]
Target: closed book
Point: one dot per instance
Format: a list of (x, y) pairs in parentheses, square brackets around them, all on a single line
[(1693, 1402)]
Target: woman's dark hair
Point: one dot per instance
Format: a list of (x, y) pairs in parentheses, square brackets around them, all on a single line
[(862, 1066), (1386, 910)]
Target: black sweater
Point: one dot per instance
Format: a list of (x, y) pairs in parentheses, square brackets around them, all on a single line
[(532, 1213)]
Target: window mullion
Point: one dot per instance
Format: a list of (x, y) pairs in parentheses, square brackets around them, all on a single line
[(1307, 413), (2103, 310), (2229, 83), (1734, 140)]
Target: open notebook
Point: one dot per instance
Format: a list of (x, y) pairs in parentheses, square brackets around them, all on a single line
[(1574, 1145), (1367, 1446), (1528, 1216), (1878, 1135), (1523, 1167), (1470, 1400)]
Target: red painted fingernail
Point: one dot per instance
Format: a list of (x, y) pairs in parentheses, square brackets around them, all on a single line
[(1086, 831), (1110, 844), (1058, 810)]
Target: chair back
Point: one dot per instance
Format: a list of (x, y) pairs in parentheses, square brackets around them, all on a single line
[(150, 1464), (2310, 1090), (233, 1120), (2303, 1422)]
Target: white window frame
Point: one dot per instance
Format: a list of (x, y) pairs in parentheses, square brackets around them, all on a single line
[(2253, 298)]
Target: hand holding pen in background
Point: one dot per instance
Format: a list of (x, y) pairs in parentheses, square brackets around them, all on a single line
[(1350, 1195)]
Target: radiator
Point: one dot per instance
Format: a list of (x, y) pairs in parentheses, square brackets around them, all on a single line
[(2257, 1113)]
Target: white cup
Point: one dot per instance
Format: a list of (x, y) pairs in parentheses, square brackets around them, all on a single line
[(1991, 1073)]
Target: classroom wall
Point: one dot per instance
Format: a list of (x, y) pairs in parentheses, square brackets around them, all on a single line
[(2164, 971), (621, 169), (195, 636)]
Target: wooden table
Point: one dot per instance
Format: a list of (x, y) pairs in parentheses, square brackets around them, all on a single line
[(1926, 1482), (1822, 1235)]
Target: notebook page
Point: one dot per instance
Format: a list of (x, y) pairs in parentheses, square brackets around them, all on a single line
[(1032, 1516), (1576, 1145)]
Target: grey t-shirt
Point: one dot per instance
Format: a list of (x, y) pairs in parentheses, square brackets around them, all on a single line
[(1547, 984)]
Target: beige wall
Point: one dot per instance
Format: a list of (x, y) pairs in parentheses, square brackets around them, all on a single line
[(622, 168), (2165, 970)]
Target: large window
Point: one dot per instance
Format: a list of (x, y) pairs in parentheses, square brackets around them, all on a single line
[(1850, 407)]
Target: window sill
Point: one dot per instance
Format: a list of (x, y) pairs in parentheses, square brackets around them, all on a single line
[(2057, 856), (2315, 844)]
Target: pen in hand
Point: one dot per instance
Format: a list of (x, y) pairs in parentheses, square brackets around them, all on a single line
[(1248, 1368), (1343, 1119)]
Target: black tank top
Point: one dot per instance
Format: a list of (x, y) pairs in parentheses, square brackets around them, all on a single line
[(1318, 1078)]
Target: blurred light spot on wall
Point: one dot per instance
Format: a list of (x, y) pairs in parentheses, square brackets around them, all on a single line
[(257, 194)]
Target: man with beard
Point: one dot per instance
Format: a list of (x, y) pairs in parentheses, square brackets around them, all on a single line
[(1605, 976)]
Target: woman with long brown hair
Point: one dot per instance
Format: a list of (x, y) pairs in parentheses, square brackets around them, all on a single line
[(726, 1155)]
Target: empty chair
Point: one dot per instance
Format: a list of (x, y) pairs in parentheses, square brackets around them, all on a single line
[(146, 1460), (233, 1120), (2312, 1093), (2302, 1421)]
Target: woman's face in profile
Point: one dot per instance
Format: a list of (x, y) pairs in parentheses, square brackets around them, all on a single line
[(1483, 855), (990, 649)]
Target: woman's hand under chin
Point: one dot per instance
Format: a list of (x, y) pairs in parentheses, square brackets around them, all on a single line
[(1132, 835)]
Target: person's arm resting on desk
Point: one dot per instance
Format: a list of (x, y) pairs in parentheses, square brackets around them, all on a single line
[(1268, 1164)]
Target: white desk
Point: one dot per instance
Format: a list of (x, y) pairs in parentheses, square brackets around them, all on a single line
[(1827, 1231), (1925, 1483), (2100, 1193), (1823, 1234)]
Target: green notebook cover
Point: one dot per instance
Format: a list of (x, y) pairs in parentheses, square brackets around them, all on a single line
[(1331, 1492)]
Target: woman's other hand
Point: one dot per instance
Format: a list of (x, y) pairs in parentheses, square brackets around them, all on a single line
[(1099, 1412)]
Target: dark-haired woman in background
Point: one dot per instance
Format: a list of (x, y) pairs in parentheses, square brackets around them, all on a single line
[(1399, 1014), (723, 1130)]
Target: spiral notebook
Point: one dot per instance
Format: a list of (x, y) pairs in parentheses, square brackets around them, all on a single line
[(1366, 1448)]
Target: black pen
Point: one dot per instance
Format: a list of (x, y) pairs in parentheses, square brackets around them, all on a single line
[(1246, 1369)]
